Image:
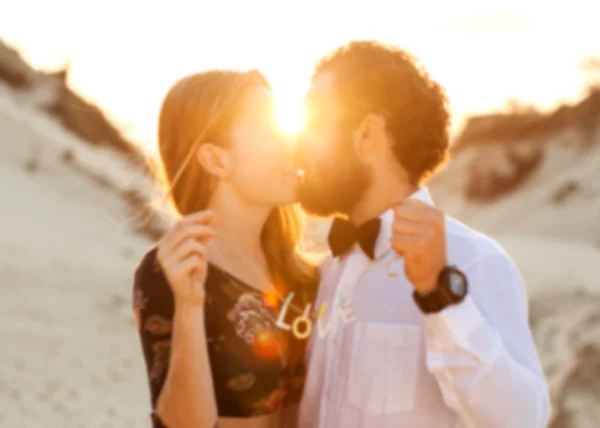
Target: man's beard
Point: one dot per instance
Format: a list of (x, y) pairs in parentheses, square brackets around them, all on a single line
[(335, 184)]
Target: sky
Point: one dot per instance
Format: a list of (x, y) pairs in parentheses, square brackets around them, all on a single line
[(125, 54)]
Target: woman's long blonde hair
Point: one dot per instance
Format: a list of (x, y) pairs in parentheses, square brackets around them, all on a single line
[(203, 107)]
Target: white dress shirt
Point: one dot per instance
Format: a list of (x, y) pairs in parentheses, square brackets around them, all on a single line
[(387, 365)]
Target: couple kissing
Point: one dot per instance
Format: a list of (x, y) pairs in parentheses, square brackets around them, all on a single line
[(412, 319)]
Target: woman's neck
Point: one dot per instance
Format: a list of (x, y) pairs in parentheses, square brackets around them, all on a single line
[(237, 247)]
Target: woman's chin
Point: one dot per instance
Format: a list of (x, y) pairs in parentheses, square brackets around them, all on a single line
[(293, 199), (289, 191), (288, 198)]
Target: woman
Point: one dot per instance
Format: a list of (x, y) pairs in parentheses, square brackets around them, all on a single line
[(207, 297)]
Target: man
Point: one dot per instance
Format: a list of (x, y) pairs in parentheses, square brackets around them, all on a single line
[(432, 330)]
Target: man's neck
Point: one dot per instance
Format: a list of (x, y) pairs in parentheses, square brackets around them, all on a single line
[(379, 198)]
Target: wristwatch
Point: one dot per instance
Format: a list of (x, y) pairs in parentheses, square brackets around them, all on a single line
[(452, 287)]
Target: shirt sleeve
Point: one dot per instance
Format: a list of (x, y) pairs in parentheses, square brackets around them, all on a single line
[(153, 307), (482, 353)]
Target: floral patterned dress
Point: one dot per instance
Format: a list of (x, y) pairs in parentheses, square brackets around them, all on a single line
[(257, 367)]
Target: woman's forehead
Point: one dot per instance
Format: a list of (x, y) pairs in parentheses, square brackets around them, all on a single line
[(257, 102)]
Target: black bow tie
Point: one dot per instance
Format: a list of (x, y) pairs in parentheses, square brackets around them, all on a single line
[(343, 235)]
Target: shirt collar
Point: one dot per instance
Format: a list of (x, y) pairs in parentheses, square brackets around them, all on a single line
[(387, 218)]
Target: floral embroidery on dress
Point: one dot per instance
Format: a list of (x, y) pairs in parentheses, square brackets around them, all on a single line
[(158, 325), (162, 351), (274, 402), (139, 304), (139, 300), (295, 387), (297, 382), (241, 382), (251, 317), (251, 354)]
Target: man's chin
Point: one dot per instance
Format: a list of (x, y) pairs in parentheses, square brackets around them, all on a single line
[(329, 194), (316, 203)]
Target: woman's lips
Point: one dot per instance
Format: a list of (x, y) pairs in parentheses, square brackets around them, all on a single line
[(294, 172)]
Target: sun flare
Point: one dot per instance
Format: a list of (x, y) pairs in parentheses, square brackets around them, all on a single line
[(290, 118), (289, 112)]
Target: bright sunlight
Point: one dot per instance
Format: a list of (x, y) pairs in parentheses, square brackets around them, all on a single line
[(289, 112)]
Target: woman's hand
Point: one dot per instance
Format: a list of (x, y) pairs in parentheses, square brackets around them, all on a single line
[(182, 256)]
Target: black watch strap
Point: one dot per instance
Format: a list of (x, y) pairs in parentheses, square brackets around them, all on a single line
[(451, 289)]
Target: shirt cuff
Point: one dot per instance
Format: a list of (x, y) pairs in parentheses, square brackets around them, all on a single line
[(454, 323)]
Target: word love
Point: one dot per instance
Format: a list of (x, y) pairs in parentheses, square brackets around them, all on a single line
[(302, 326)]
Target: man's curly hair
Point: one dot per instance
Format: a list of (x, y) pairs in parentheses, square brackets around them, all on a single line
[(374, 78)]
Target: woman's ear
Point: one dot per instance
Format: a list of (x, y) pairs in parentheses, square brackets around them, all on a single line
[(214, 159)]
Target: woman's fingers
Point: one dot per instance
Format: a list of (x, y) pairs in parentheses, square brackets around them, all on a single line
[(182, 255), (185, 249), (182, 231), (201, 232), (190, 263), (188, 247), (193, 269), (200, 217)]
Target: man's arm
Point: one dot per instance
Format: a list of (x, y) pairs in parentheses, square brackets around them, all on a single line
[(482, 353)]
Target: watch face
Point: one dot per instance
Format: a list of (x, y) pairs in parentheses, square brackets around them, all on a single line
[(457, 284)]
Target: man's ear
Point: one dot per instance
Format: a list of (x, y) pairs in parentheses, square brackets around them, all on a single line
[(370, 134), (216, 160)]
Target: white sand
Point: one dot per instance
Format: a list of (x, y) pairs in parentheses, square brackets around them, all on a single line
[(554, 264), (530, 210), (70, 355)]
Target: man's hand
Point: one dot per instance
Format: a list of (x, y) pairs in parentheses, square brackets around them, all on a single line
[(419, 236)]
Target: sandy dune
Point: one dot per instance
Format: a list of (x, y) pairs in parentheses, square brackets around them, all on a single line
[(554, 264), (70, 356)]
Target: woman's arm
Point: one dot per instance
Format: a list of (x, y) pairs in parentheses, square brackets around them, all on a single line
[(187, 398), (169, 300), (173, 340)]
